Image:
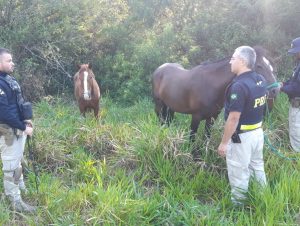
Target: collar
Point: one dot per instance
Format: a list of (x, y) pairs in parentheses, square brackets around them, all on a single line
[(243, 75), (3, 74)]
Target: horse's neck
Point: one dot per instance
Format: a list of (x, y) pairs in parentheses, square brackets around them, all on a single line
[(270, 79), (222, 72)]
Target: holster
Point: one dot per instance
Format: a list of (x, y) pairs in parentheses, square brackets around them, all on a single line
[(26, 110), (7, 133), (236, 138)]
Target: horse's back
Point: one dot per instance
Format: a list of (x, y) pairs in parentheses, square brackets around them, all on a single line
[(167, 68), (163, 74), (173, 85), (168, 71)]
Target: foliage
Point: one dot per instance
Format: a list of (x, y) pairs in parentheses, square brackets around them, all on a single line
[(126, 40), (125, 169)]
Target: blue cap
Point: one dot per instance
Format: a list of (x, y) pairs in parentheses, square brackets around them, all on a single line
[(295, 46)]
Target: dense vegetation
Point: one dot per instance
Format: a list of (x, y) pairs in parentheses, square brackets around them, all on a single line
[(126, 40), (125, 169)]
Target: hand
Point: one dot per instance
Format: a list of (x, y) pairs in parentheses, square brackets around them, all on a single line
[(29, 130), (280, 85), (222, 149), (28, 123)]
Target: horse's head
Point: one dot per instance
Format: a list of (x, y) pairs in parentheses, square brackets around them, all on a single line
[(86, 76), (263, 66)]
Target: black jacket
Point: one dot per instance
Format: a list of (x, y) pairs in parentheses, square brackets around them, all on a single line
[(9, 109), (292, 86)]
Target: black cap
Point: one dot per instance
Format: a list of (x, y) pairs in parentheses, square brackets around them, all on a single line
[(295, 46)]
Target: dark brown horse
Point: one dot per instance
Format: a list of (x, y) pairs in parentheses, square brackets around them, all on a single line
[(86, 90), (200, 91)]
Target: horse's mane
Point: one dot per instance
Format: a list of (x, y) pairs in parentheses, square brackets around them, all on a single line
[(208, 62), (260, 51)]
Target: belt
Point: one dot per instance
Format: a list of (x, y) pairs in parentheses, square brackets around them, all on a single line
[(6, 127), (250, 127), (245, 131), (2, 124)]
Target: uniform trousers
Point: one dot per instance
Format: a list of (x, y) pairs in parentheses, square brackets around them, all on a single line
[(12, 149), (294, 127), (244, 160)]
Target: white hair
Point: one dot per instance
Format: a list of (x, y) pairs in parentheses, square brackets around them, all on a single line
[(247, 54)]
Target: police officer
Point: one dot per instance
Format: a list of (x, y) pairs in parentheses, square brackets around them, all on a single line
[(243, 139), (292, 89), (13, 133)]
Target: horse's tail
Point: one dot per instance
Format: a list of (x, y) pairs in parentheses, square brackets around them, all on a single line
[(156, 81)]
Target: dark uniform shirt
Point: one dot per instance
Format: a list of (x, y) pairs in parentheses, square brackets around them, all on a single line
[(247, 94), (9, 109), (292, 86)]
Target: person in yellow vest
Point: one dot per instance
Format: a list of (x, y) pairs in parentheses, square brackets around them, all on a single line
[(292, 88), (243, 138)]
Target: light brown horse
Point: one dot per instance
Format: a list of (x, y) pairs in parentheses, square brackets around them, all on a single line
[(200, 91), (86, 90)]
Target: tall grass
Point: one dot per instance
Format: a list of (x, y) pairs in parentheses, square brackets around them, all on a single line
[(126, 169)]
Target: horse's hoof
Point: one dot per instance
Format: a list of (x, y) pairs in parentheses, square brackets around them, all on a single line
[(196, 156)]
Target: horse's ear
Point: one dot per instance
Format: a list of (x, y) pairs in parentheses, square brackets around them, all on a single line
[(78, 66), (90, 65)]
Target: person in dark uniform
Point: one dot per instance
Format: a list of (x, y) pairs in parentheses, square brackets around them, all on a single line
[(292, 88), (13, 132), (243, 139)]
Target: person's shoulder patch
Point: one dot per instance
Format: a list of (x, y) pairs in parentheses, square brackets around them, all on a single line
[(233, 96), (1, 92)]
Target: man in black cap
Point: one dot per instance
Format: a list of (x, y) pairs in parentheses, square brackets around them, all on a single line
[(292, 88)]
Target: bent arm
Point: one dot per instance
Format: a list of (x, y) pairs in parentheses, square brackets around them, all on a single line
[(230, 126), (291, 89)]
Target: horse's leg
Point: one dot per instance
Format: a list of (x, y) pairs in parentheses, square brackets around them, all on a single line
[(194, 127), (207, 134), (96, 112), (196, 118), (208, 124), (169, 115), (82, 109), (96, 109)]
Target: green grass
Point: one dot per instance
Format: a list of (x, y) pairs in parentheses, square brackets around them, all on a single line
[(126, 169)]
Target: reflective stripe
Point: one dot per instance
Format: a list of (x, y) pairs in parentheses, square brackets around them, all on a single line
[(251, 127)]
